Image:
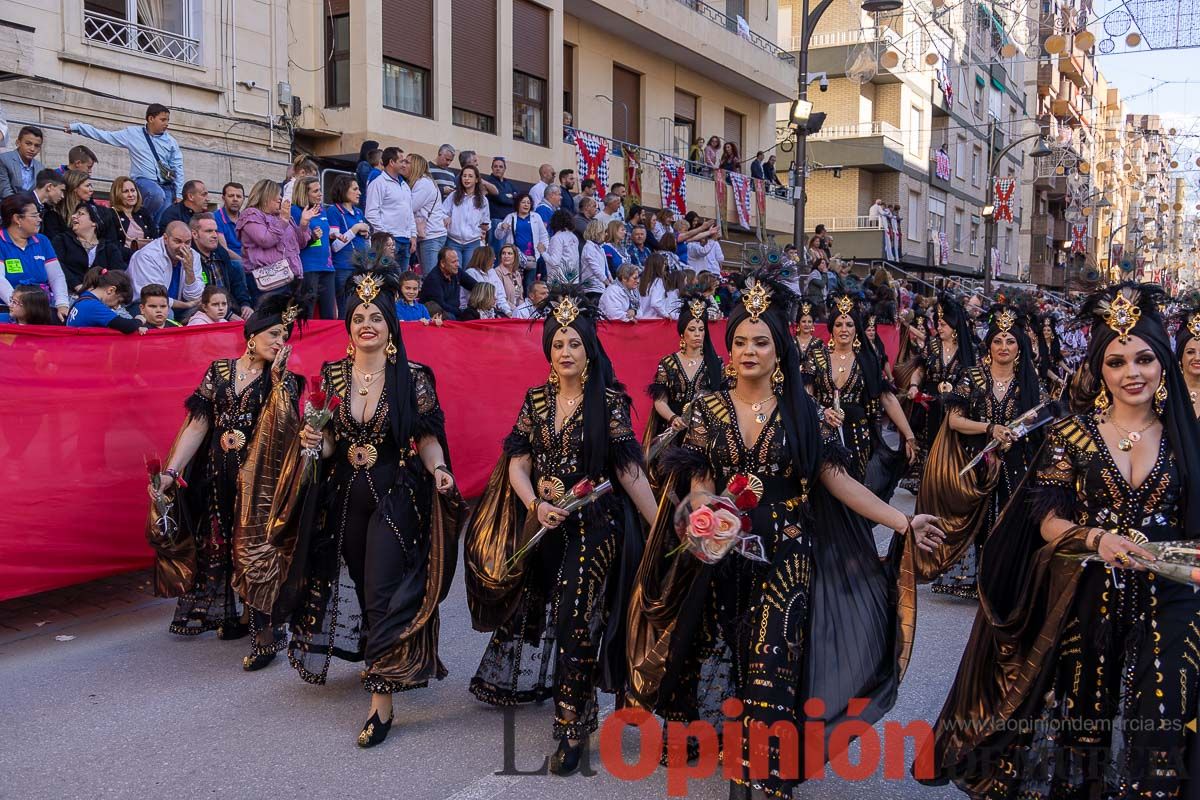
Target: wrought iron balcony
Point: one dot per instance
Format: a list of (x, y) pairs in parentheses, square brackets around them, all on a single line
[(730, 24), (116, 32)]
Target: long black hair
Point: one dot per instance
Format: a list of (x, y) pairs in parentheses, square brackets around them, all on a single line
[(376, 280), (952, 312), (1132, 309), (1005, 319), (865, 352), (797, 411), (694, 306), (1049, 349), (568, 307), (1189, 327)]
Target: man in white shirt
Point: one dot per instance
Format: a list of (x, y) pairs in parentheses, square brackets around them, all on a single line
[(621, 300), (538, 291), (538, 191), (875, 213), (170, 260), (612, 208), (705, 255), (389, 206), (620, 191)]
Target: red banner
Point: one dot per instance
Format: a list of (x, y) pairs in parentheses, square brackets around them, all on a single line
[(82, 408)]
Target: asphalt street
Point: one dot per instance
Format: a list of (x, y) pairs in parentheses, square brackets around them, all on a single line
[(99, 701)]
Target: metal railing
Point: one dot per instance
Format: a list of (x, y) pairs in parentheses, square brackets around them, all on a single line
[(861, 222), (842, 38), (858, 130), (730, 24), (116, 32)]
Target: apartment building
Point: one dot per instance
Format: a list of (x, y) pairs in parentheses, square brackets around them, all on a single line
[(216, 64), (501, 77), (919, 105)]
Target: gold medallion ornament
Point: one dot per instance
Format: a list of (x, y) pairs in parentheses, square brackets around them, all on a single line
[(845, 305), (290, 313), (551, 489), (698, 308), (806, 309), (233, 440), (1005, 320), (756, 300), (1121, 314), (368, 288), (362, 456), (565, 311), (1193, 325)]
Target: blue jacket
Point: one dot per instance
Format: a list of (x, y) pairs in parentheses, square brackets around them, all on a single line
[(445, 291), (218, 270)]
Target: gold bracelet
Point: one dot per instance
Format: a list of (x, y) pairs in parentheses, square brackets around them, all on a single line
[(1093, 538), (533, 504)]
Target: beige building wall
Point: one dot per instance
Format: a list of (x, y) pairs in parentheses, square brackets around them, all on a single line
[(65, 73)]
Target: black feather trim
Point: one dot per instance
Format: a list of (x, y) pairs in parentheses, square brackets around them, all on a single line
[(685, 463), (198, 407), (657, 391), (516, 444), (834, 455), (1057, 500), (624, 455), (430, 424)]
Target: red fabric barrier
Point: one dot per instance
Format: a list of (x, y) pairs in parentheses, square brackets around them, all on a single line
[(80, 409)]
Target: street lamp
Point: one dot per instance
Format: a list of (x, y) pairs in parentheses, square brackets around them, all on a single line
[(988, 212), (801, 105)]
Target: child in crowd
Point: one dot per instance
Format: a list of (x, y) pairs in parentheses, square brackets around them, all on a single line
[(214, 307), (103, 291), (407, 307), (154, 307), (29, 305)]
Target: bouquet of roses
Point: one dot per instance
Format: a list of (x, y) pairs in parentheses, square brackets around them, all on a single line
[(922, 399), (318, 410), (659, 442), (166, 526), (581, 494), (709, 526)]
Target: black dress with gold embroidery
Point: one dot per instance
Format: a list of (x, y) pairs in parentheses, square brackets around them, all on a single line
[(381, 551), (975, 395), (563, 636), (939, 376), (813, 344), (773, 634), (858, 432), (671, 383), (1086, 649), (208, 506)]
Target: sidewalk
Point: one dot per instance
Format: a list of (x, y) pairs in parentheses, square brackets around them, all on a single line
[(57, 609)]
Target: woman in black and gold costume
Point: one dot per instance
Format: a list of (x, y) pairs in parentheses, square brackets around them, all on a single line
[(680, 375), (1187, 349), (987, 401), (207, 566), (387, 513), (939, 369), (1064, 652), (848, 383), (806, 341), (1051, 365), (701, 632), (557, 617)]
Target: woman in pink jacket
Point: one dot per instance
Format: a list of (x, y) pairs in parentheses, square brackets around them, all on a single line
[(268, 233)]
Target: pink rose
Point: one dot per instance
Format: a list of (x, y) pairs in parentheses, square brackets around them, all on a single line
[(711, 550), (729, 524), (702, 522)]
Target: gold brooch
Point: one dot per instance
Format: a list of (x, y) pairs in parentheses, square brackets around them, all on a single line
[(757, 300), (362, 456), (565, 311), (290, 313), (1193, 325), (233, 440), (845, 305), (1005, 320), (1121, 315), (699, 308), (368, 288)]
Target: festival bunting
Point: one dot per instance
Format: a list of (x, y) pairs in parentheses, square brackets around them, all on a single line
[(1079, 238), (741, 197), (941, 165), (760, 203), (944, 247), (1004, 188), (673, 179), (720, 190), (592, 155), (633, 177)]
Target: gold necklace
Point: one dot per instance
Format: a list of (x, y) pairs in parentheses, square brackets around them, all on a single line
[(367, 377), (842, 357), (1130, 437), (760, 416), (691, 362), (571, 401), (241, 376)]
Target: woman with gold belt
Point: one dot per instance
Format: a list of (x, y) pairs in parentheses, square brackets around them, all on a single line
[(557, 613), (779, 633), (806, 341), (1080, 678), (201, 566), (983, 407), (387, 512)]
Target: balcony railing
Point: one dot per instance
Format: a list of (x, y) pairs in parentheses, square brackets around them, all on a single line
[(859, 223), (128, 35), (859, 130), (730, 24)]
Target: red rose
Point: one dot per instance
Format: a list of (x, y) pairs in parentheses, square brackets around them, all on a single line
[(315, 380), (334, 402), (153, 466), (583, 489), (317, 398), (737, 484), (745, 523), (746, 501)]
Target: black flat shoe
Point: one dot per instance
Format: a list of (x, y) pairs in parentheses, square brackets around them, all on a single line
[(566, 758), (233, 630), (257, 661), (374, 732)]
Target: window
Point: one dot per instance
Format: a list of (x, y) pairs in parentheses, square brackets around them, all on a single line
[(685, 123), (569, 80), (975, 166), (978, 98), (473, 71), (337, 61), (733, 132), (995, 103), (937, 215), (958, 229), (163, 28), (529, 108), (627, 105), (405, 88), (960, 158), (914, 216), (974, 236), (1005, 244), (914, 130), (471, 119)]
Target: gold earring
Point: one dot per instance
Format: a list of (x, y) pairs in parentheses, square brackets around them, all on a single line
[(390, 351), (730, 371), (350, 350), (682, 345), (553, 379), (857, 344), (249, 346), (1160, 396), (987, 360), (777, 375), (583, 378), (1102, 401)]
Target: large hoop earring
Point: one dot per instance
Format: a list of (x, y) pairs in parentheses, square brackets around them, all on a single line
[(249, 346), (390, 351), (553, 379), (350, 350), (1160, 396)]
